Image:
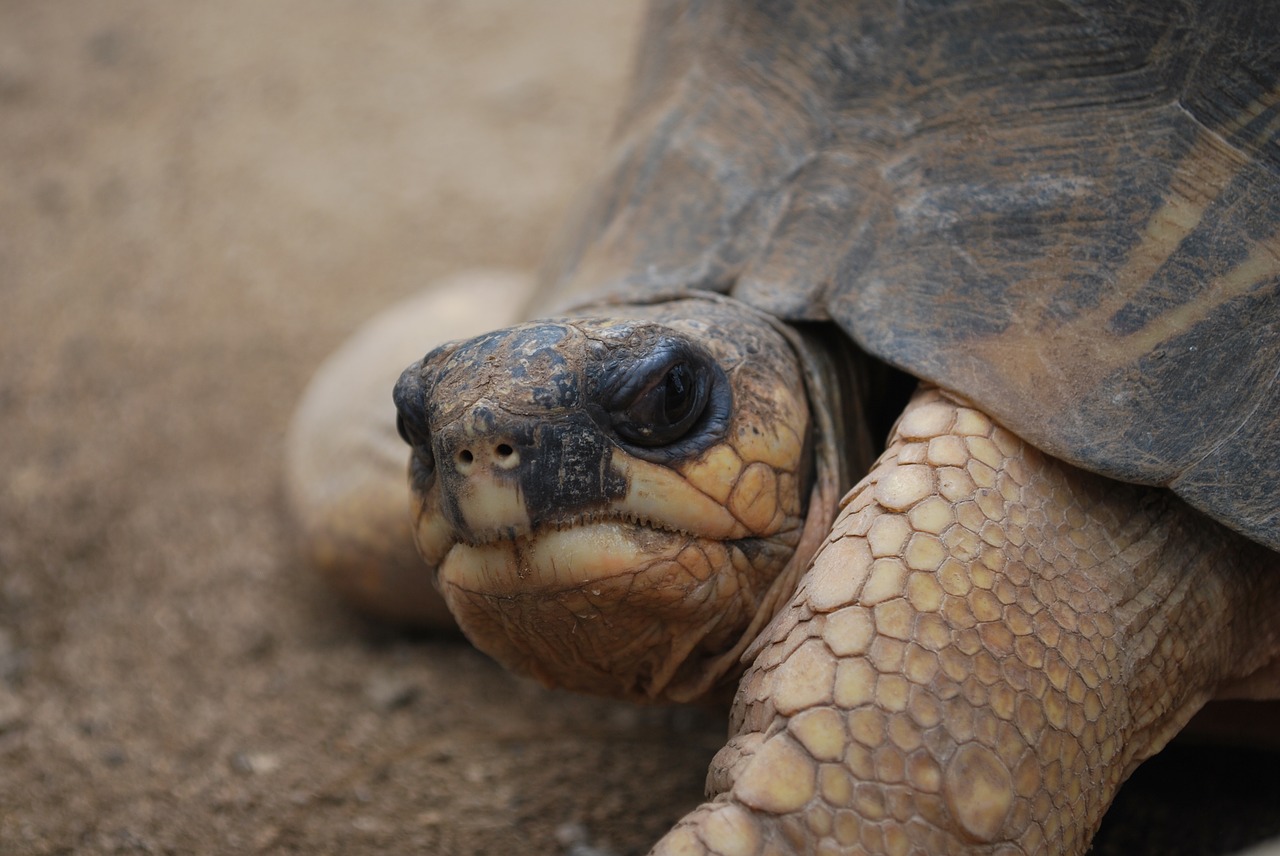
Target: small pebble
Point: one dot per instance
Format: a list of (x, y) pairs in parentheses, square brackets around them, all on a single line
[(569, 833), (572, 838), (387, 693), (254, 763)]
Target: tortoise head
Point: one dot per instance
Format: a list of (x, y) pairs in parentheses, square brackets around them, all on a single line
[(609, 503)]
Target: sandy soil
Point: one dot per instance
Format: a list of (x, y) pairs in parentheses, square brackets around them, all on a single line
[(197, 202)]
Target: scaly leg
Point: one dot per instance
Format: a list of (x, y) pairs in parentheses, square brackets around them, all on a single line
[(985, 648)]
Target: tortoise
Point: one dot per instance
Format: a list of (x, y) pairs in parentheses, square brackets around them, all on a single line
[(912, 367)]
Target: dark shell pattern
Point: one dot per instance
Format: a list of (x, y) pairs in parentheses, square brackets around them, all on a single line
[(1066, 211)]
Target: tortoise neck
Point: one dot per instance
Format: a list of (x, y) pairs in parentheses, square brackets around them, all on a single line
[(855, 398)]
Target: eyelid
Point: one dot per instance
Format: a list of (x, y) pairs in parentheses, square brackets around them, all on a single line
[(647, 374), (644, 420)]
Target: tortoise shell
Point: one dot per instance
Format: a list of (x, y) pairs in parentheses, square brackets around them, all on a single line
[(1066, 212)]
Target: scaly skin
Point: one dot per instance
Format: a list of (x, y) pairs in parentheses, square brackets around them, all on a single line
[(985, 647)]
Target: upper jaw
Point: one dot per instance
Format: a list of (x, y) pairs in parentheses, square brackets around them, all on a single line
[(526, 533), (495, 505)]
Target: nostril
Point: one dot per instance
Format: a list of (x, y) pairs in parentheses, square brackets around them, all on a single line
[(505, 457), (501, 455)]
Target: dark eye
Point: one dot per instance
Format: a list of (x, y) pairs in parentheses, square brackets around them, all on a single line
[(419, 438), (679, 392), (408, 432), (666, 406), (402, 430), (410, 400)]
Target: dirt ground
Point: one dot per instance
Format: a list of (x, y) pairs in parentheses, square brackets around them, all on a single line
[(197, 203)]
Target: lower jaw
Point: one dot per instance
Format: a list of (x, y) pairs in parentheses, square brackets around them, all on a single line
[(609, 608)]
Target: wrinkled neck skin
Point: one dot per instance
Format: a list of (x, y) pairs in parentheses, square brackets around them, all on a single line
[(652, 581), (839, 387), (843, 449)]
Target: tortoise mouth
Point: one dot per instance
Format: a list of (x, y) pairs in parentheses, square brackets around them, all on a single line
[(577, 552), (611, 607), (526, 534)]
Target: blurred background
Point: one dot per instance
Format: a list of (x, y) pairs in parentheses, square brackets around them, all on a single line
[(197, 203)]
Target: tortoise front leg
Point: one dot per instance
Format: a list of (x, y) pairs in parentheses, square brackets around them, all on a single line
[(987, 646)]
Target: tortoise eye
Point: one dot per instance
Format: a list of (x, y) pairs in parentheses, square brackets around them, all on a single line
[(410, 432), (402, 430), (679, 392), (419, 439), (666, 406)]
